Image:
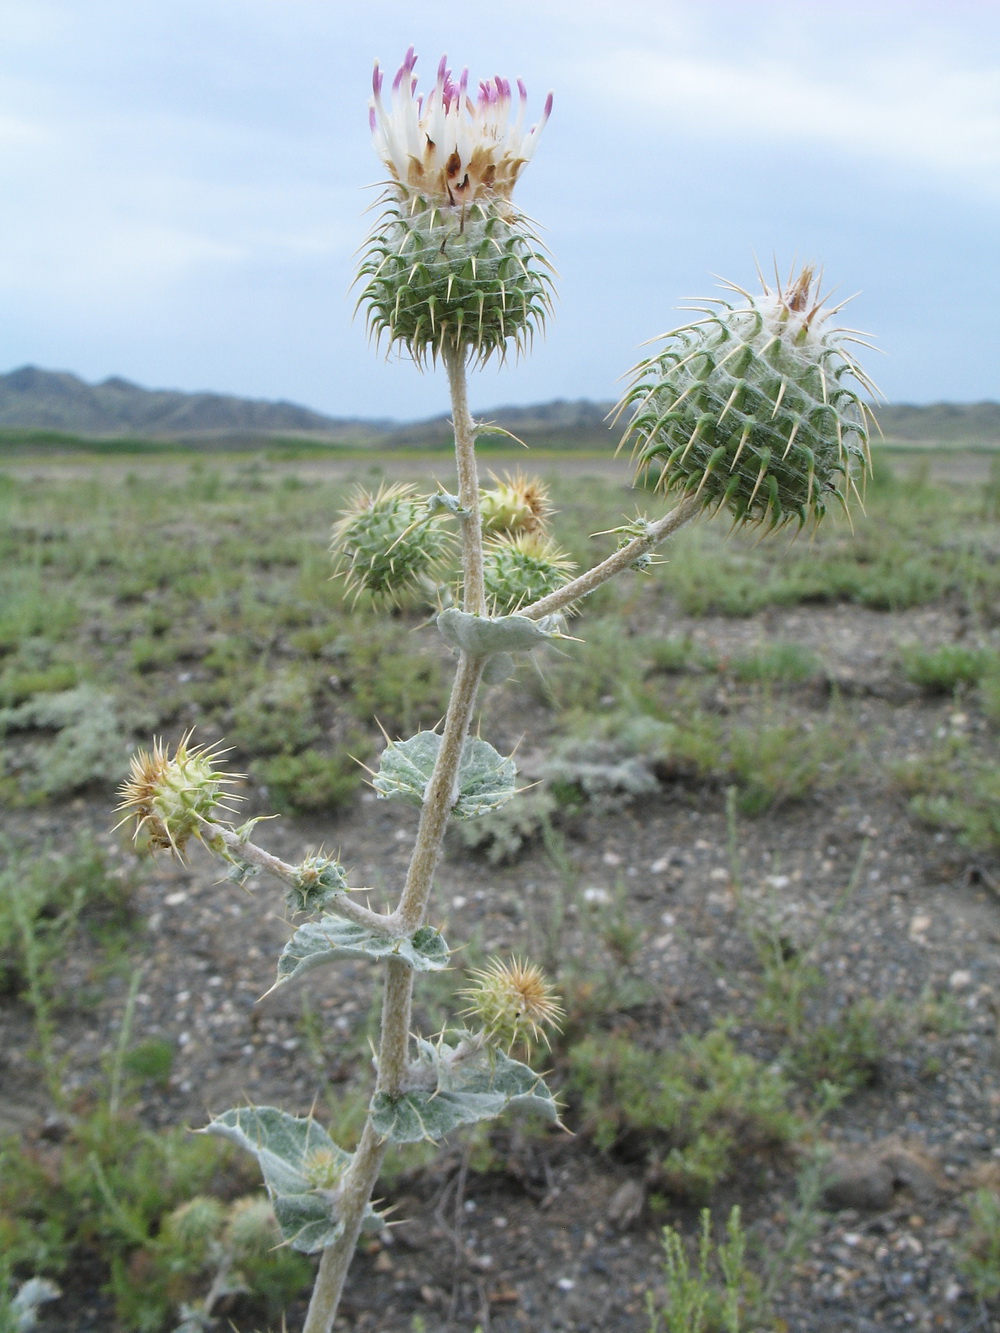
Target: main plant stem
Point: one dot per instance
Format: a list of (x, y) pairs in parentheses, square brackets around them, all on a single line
[(393, 1054)]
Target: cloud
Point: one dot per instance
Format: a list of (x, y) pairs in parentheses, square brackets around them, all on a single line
[(904, 108)]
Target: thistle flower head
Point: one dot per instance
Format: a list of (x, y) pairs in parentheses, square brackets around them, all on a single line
[(172, 796), (449, 146), (451, 265), (514, 505), (387, 542), (755, 407), (513, 1002), (520, 569)]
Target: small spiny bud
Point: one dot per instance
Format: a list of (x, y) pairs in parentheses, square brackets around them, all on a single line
[(324, 1168), (521, 569), (513, 1002), (171, 797), (514, 505), (318, 881)]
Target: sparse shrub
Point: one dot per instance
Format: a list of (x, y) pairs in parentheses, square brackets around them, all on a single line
[(45, 897), (979, 1251), (17, 687), (278, 716), (394, 679), (503, 834), (311, 782), (87, 746), (677, 654), (695, 1108), (776, 762), (846, 1052), (989, 694), (782, 663), (943, 669), (711, 1297), (150, 1060), (954, 786)]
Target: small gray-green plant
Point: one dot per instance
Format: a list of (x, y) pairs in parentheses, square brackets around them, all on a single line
[(948, 667), (711, 1295), (753, 409), (979, 1253)]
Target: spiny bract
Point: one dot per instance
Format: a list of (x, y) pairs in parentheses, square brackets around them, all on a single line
[(755, 408)]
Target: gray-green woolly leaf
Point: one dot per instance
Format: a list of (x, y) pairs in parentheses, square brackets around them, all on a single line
[(332, 938), (444, 502), (499, 668), (30, 1295), (283, 1146), (485, 778), (466, 1082), (280, 1142), (482, 636)]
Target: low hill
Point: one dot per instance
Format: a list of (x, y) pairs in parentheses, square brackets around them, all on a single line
[(976, 424), (35, 399)]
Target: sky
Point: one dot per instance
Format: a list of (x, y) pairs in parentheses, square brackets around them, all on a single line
[(184, 183)]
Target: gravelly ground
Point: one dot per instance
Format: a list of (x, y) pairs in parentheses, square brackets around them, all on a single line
[(562, 1238)]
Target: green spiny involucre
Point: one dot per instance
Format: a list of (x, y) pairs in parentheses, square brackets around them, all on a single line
[(388, 542), (521, 569), (451, 264), (755, 408)]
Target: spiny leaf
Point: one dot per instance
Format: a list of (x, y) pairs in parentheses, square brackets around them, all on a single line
[(287, 1149), (332, 938), (465, 1081), (482, 636), (485, 778)]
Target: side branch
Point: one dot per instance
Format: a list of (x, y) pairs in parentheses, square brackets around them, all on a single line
[(620, 560), (288, 874)]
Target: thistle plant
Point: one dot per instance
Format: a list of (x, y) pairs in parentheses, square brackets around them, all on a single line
[(754, 409)]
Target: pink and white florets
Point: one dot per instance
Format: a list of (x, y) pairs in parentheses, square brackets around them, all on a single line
[(448, 146)]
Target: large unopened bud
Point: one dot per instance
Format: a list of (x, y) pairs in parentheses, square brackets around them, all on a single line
[(451, 263), (755, 407), (193, 1226), (252, 1229)]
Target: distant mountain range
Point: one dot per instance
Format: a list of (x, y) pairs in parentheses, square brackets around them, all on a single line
[(35, 400)]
